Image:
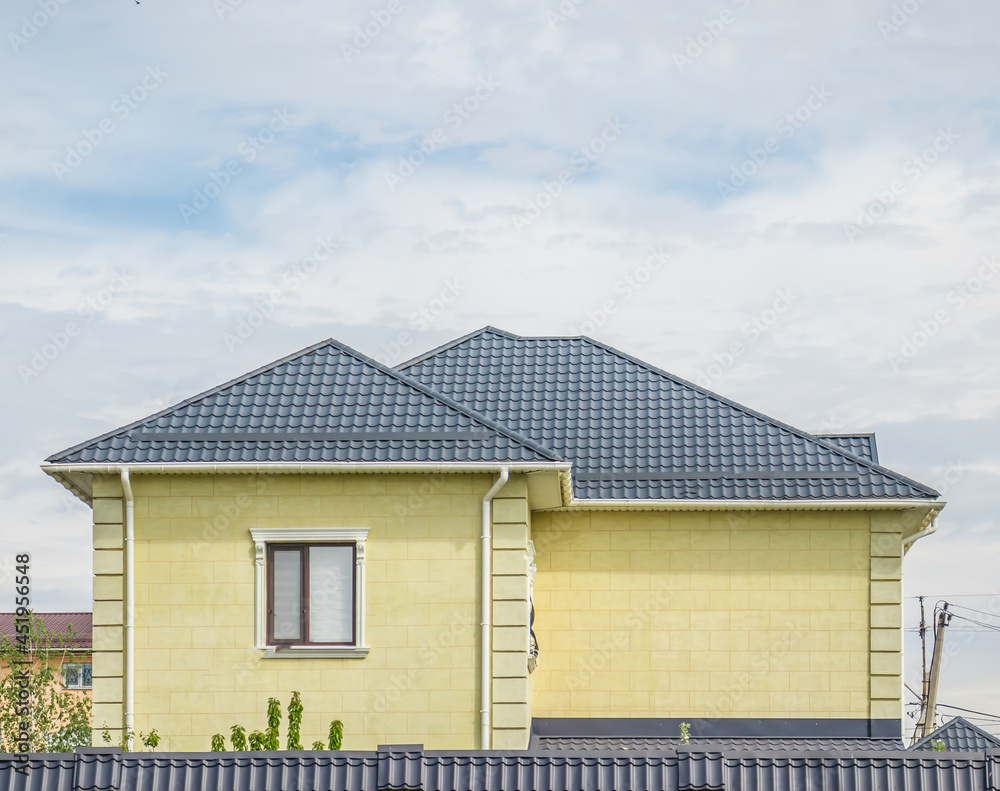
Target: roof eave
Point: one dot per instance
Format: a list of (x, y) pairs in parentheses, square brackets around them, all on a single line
[(930, 508), (77, 476)]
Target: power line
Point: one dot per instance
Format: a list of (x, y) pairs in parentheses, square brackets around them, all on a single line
[(989, 626), (971, 711), (980, 612), (954, 630), (955, 596)]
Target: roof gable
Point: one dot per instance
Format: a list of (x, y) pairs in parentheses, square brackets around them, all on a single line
[(633, 431), (324, 403), (961, 735)]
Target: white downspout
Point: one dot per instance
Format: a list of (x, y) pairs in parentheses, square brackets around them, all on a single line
[(129, 608), (484, 710), (931, 528)]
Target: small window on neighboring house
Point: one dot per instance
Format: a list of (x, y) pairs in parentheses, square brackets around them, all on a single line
[(310, 591), (77, 675)]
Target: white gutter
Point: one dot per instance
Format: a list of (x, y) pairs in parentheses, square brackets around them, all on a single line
[(931, 528), (750, 505), (187, 468), (129, 607), (487, 572)]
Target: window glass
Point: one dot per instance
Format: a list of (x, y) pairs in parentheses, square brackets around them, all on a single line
[(331, 594), (287, 605), (77, 675)]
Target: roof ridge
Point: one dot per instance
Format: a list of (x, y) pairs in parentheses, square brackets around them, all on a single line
[(488, 329), (193, 399), (486, 421), (767, 418)]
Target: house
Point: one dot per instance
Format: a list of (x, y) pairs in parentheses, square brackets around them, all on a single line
[(73, 655), (504, 541)]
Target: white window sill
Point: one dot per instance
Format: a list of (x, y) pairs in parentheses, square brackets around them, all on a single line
[(316, 652)]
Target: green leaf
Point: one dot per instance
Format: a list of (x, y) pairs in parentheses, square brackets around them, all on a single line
[(336, 734), (238, 736), (295, 722)]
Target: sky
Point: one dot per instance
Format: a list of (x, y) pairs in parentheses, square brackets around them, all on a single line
[(795, 204)]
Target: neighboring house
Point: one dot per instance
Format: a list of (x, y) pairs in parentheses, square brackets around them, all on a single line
[(654, 554), (959, 735), (75, 662)]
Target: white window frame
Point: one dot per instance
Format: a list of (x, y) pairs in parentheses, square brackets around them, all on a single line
[(264, 536)]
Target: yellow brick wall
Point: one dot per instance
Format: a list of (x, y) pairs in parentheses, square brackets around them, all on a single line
[(511, 710), (642, 614), (637, 614), (196, 670), (886, 596), (108, 662)]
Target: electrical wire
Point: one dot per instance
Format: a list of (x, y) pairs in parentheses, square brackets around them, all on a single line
[(990, 626), (980, 612), (955, 596), (970, 711)]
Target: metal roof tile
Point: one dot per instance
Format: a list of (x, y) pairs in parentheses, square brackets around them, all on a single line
[(961, 735), (683, 769), (330, 394), (606, 405)]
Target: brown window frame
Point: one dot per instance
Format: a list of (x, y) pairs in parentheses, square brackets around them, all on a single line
[(303, 549)]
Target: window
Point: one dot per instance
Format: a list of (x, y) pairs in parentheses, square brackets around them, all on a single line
[(77, 675), (310, 591), (310, 597)]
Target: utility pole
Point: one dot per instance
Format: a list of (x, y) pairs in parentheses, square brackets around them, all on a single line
[(932, 685), (918, 730)]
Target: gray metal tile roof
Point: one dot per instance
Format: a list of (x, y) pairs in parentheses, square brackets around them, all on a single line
[(669, 770), (862, 445), (46, 772), (288, 771), (633, 431), (715, 744), (324, 403), (515, 771), (862, 772), (959, 734)]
